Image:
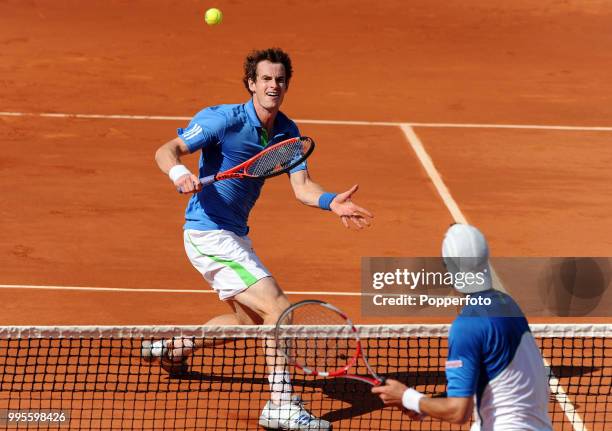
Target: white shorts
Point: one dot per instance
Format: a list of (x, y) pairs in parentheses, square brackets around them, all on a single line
[(227, 261)]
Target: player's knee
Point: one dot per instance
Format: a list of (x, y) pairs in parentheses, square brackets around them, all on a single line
[(282, 304), (273, 311), (265, 298)]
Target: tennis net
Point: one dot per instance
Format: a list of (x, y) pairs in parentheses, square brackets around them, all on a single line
[(94, 378)]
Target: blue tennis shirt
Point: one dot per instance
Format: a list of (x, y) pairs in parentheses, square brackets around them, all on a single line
[(228, 135), (493, 356)]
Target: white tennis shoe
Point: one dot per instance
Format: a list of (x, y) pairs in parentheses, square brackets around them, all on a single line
[(150, 351), (291, 416)]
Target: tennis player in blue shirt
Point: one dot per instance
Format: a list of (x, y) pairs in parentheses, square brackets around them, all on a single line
[(493, 361), (216, 231)]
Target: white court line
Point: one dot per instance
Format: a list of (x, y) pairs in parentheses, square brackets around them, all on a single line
[(432, 172), (564, 401), (566, 405), (514, 126), (138, 290), (93, 116), (327, 122), (196, 291), (436, 179)]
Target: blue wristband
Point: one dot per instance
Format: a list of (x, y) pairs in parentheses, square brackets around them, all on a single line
[(325, 200)]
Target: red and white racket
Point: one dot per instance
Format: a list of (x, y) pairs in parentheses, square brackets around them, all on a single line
[(274, 160), (302, 337)]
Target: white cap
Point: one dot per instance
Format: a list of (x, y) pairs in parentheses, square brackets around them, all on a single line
[(466, 254)]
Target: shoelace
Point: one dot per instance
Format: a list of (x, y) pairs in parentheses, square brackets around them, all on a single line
[(304, 415), (298, 401)]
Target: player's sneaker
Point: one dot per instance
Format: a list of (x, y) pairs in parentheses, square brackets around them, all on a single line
[(291, 416), (150, 351), (153, 351)]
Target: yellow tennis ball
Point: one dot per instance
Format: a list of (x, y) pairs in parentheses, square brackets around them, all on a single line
[(213, 16)]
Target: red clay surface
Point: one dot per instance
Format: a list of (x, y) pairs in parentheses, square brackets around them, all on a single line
[(83, 203)]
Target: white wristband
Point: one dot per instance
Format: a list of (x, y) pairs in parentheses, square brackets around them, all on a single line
[(411, 399), (178, 171)]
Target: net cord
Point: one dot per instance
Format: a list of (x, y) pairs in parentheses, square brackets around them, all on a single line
[(248, 331)]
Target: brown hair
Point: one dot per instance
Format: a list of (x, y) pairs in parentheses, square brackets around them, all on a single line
[(273, 55)]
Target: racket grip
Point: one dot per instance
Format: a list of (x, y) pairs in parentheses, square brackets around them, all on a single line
[(206, 181)]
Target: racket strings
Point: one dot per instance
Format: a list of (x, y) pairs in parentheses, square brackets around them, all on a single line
[(279, 158), (313, 350)]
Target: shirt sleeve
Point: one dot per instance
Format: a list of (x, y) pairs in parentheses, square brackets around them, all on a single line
[(464, 357), (206, 128)]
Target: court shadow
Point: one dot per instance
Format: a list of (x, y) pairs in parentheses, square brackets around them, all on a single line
[(575, 286), (358, 394)]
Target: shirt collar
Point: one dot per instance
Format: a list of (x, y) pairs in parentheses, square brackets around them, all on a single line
[(251, 114), (280, 123)]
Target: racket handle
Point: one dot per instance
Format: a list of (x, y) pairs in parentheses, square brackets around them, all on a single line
[(206, 181)]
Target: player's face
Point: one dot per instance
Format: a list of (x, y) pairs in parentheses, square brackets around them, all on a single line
[(270, 85)]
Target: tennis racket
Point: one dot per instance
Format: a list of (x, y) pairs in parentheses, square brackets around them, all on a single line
[(300, 338), (270, 162)]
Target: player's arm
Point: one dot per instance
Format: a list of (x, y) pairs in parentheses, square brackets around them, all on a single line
[(465, 356), (312, 194), (168, 158), (457, 410)]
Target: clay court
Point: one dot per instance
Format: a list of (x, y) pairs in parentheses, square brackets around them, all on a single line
[(482, 111)]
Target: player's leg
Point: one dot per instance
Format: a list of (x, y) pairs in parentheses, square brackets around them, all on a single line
[(284, 410), (263, 300), (179, 349), (261, 303), (228, 263), (266, 300)]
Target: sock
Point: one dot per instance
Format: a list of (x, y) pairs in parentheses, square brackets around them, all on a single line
[(280, 387)]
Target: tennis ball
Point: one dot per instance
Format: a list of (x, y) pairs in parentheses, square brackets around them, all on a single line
[(213, 16)]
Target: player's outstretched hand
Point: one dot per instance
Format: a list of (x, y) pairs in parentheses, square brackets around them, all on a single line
[(349, 212), (188, 183)]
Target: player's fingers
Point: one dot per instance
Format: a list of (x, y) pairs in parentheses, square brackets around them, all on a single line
[(357, 221), (187, 186), (413, 415), (346, 196), (360, 220), (197, 185), (345, 221), (377, 389), (363, 211), (365, 221), (183, 179), (191, 184), (184, 183), (353, 189)]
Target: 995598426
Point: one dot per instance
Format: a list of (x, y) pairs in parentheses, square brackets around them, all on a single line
[(24, 418)]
